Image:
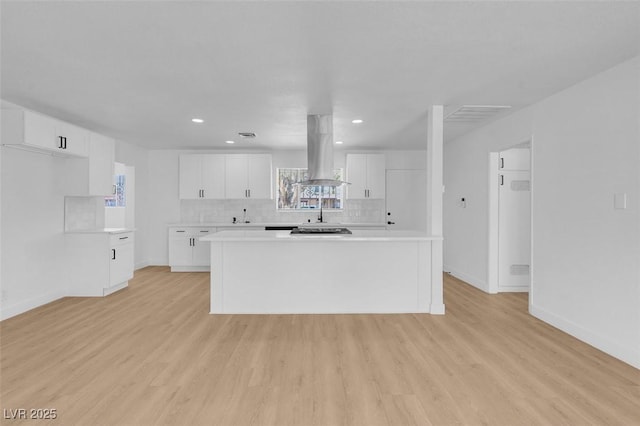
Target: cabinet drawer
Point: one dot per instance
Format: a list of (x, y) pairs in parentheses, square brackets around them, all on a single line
[(119, 239), (190, 232)]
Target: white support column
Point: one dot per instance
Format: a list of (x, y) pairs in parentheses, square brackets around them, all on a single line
[(435, 161)]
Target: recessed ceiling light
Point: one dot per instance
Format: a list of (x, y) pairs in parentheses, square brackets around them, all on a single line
[(356, 121), (229, 142), (338, 142), (197, 120)]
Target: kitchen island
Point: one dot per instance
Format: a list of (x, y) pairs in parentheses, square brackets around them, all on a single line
[(368, 271)]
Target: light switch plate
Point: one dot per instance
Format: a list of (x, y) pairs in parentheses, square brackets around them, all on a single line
[(620, 201)]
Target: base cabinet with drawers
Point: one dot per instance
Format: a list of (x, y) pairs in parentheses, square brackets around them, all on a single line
[(186, 252), (99, 264)]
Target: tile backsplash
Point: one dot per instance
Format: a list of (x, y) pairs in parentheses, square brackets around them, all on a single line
[(264, 211)]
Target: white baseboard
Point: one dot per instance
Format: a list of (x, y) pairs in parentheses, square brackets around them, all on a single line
[(190, 268), (26, 305), (513, 289), (141, 265), (630, 355), (437, 309), (469, 279)]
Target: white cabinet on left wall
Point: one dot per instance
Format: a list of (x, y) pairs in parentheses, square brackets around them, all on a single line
[(36, 132), (201, 176), (99, 263)]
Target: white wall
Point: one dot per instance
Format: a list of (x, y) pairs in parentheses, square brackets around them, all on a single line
[(585, 253), (32, 190)]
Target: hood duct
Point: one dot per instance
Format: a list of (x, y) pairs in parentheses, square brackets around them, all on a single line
[(320, 151)]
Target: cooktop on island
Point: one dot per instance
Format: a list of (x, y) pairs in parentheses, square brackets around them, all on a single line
[(320, 230)]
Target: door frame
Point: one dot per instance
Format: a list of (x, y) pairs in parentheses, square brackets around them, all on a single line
[(494, 218)]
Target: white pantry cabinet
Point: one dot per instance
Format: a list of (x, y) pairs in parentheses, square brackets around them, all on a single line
[(248, 176), (99, 263), (366, 173), (202, 176), (36, 132), (186, 253)]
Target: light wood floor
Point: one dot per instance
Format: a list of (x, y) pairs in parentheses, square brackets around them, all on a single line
[(152, 354)]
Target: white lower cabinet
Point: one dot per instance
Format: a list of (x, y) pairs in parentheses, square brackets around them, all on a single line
[(121, 266), (99, 264), (186, 253)]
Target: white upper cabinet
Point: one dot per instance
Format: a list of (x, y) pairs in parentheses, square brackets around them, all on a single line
[(202, 176), (366, 173), (236, 183), (248, 176), (29, 130), (101, 160)]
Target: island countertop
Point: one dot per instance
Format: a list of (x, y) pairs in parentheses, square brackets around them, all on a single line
[(356, 235)]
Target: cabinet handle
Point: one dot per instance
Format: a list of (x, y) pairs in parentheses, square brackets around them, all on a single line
[(501, 179), (60, 145), (203, 193), (123, 238), (204, 231), (115, 189), (502, 162), (65, 142), (113, 254), (180, 231), (249, 191)]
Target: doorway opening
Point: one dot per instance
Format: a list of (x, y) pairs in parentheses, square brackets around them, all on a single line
[(510, 219)]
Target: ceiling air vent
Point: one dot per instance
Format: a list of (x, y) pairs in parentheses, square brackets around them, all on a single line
[(474, 113), (247, 135)]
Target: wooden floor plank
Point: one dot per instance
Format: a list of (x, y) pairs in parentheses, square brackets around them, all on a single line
[(152, 354)]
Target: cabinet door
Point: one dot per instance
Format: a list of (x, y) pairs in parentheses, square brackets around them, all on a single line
[(121, 269), (236, 185), (76, 140), (376, 169), (101, 159), (201, 252), (213, 176), (356, 176), (190, 177), (181, 250), (39, 131), (260, 178)]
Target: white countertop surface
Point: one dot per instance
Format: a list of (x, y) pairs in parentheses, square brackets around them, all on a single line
[(101, 231), (262, 224), (357, 235)]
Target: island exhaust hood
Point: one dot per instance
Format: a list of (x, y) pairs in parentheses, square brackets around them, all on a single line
[(320, 151)]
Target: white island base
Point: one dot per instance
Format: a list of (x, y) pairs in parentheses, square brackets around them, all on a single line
[(268, 272)]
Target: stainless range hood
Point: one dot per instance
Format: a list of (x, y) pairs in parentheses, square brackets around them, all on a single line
[(320, 151)]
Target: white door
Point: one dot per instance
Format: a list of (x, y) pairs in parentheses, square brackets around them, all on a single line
[(514, 223), (406, 199)]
